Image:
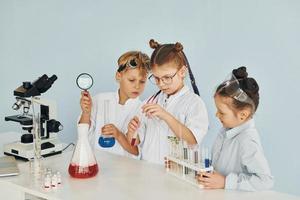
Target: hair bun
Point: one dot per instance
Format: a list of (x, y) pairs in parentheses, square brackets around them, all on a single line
[(153, 44), (251, 85), (178, 46), (240, 73)]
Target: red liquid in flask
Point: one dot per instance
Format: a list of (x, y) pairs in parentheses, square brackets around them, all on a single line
[(77, 171)]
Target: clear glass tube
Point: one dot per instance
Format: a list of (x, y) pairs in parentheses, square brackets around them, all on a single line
[(106, 141), (35, 163)]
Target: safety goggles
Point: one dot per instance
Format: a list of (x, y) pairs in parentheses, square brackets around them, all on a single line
[(132, 64), (232, 88)]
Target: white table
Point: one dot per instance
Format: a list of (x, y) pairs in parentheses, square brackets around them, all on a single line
[(119, 178)]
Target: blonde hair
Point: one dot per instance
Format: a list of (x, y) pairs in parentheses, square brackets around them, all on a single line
[(141, 59)]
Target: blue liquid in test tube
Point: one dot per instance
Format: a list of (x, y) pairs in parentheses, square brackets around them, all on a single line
[(106, 141)]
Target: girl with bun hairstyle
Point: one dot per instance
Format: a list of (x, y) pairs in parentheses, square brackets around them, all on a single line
[(174, 110), (237, 155)]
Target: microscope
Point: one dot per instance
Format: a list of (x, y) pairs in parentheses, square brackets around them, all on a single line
[(37, 118)]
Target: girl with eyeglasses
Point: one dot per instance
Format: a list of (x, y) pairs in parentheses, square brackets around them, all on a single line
[(238, 157), (173, 111), (131, 76)]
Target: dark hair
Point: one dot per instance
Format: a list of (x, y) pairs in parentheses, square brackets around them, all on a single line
[(166, 53), (247, 84)]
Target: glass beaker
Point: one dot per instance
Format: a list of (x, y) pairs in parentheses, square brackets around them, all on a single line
[(106, 141), (83, 163)]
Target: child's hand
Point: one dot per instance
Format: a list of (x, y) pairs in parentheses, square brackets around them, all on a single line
[(110, 129), (133, 126), (86, 102), (213, 180), (154, 110)]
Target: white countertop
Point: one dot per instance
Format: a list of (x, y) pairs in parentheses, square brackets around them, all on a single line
[(123, 178)]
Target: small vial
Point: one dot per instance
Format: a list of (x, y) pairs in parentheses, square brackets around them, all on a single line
[(58, 178), (54, 181), (47, 182)]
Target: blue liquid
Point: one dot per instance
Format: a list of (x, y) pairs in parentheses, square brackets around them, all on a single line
[(207, 163), (106, 142)]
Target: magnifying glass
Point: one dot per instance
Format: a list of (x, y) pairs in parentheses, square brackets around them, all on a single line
[(84, 81)]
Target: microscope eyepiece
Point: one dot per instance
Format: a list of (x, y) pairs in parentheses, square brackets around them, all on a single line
[(27, 85), (36, 88)]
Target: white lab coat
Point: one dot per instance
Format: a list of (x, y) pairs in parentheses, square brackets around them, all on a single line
[(186, 107), (238, 155), (119, 115)]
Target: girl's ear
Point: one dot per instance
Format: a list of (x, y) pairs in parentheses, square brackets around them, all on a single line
[(244, 114), (118, 76), (182, 71)]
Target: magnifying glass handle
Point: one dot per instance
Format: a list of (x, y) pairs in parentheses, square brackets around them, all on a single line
[(85, 94)]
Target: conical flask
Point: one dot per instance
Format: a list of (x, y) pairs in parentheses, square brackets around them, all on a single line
[(83, 163)]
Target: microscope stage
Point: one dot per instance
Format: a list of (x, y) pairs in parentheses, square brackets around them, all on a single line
[(49, 147)]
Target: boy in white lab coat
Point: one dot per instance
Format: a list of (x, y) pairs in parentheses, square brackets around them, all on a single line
[(131, 77), (175, 110), (237, 156)]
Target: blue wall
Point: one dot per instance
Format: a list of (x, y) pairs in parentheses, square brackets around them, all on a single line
[(66, 37)]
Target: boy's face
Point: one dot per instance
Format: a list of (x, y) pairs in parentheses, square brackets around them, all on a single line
[(132, 82), (226, 115), (168, 78)]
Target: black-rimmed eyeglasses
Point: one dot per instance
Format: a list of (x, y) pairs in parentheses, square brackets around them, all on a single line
[(165, 79)]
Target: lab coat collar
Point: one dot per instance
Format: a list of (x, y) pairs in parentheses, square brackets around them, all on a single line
[(128, 102), (230, 133), (181, 92)]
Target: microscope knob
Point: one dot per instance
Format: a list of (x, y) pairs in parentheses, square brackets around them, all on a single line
[(27, 85), (27, 138), (54, 126)]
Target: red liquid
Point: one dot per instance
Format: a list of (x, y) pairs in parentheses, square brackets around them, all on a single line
[(133, 141), (83, 172)]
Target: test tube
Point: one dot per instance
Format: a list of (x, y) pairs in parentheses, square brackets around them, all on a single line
[(133, 139), (185, 152), (175, 146), (106, 111), (206, 157), (106, 141)]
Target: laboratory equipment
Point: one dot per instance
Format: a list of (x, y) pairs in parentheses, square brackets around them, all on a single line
[(106, 141), (47, 182), (54, 181), (83, 163), (131, 64), (153, 99), (38, 116), (231, 87), (58, 178), (84, 81), (185, 161)]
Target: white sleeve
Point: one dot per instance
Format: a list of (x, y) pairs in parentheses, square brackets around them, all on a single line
[(197, 120), (134, 112), (256, 175), (93, 122), (142, 133)]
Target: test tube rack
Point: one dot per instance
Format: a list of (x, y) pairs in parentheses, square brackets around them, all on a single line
[(185, 162)]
